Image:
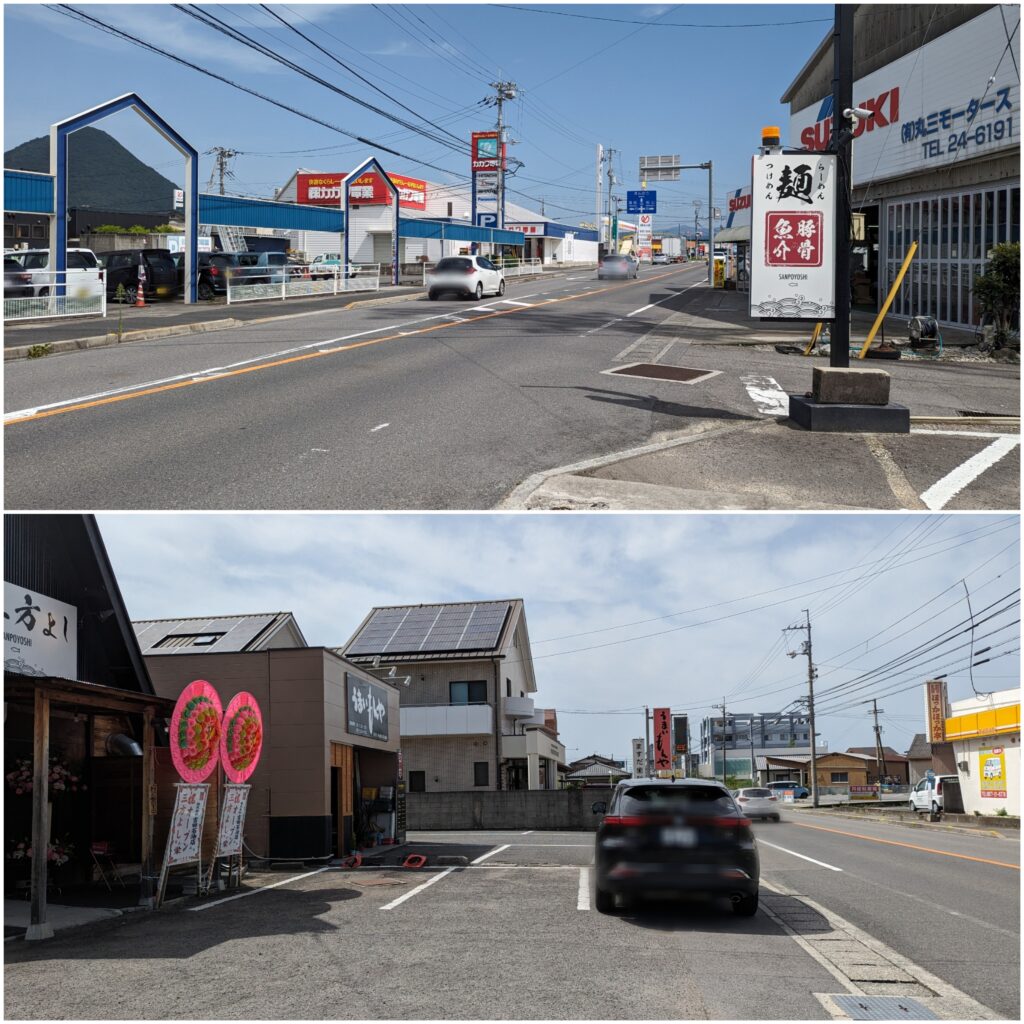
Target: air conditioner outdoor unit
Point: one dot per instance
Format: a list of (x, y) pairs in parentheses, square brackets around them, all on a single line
[(964, 766)]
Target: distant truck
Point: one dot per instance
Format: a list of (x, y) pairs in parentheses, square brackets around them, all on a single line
[(672, 247)]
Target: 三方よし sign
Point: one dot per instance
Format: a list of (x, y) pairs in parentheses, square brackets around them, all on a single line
[(40, 634), (792, 236)]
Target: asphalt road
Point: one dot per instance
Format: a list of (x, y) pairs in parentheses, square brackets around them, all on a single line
[(515, 936), (417, 404)]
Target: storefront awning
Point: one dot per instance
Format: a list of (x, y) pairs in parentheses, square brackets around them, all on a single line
[(737, 234)]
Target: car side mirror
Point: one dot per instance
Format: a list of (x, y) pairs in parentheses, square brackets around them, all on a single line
[(599, 807)]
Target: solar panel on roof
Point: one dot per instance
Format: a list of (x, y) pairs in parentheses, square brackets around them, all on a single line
[(432, 629)]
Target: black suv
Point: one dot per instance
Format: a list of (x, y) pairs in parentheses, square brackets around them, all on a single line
[(122, 267), (684, 836), (212, 269)]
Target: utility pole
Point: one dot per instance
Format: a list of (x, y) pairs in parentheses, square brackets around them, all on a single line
[(220, 169), (612, 238), (598, 194), (811, 673), (503, 91), (879, 753), (647, 741), (725, 721), (842, 145)]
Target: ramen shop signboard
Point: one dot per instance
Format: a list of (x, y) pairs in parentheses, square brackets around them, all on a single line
[(792, 236)]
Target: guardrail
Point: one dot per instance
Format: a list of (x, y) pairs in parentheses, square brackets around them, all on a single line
[(47, 294), (517, 268), (248, 284)]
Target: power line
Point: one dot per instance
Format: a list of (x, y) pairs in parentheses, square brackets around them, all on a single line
[(670, 24)]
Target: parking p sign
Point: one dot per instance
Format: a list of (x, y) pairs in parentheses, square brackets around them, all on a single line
[(487, 220)]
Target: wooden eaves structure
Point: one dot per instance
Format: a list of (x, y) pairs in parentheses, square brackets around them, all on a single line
[(45, 693)]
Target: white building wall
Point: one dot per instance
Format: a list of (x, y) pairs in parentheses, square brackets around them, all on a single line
[(977, 751)]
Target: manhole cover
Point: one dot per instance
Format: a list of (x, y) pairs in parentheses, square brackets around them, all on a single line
[(657, 371), (883, 1008)]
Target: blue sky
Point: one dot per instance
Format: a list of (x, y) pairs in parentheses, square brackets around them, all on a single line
[(643, 87), (624, 610)]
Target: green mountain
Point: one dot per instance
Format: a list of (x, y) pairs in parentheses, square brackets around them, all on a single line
[(103, 174)]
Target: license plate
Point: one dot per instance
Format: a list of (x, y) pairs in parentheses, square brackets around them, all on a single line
[(678, 836), (163, 290)]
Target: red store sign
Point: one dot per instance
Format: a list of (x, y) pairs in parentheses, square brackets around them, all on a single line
[(367, 190)]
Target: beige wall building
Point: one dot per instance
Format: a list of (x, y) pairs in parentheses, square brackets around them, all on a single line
[(468, 719), (331, 729)]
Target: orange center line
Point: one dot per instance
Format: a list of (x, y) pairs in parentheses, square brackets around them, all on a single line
[(910, 846), (160, 389)]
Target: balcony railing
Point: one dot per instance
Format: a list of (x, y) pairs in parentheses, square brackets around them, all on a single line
[(519, 707), (447, 720)]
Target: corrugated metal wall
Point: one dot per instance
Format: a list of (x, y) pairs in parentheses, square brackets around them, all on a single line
[(25, 192)]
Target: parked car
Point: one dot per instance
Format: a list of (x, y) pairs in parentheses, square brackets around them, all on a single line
[(661, 258), (685, 836), (212, 270), (759, 802), (17, 280), (264, 268), (122, 268), (327, 264), (469, 276), (927, 794), (617, 267), (799, 792), (82, 274)]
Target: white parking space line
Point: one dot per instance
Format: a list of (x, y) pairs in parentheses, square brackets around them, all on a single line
[(419, 888), (583, 894), (490, 853), (945, 490), (767, 394), (793, 853), (254, 892)]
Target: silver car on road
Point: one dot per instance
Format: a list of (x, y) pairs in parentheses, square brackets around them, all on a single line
[(759, 803)]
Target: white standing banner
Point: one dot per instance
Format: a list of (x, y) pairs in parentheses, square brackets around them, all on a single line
[(792, 236), (638, 759), (232, 820), (40, 634), (184, 840)]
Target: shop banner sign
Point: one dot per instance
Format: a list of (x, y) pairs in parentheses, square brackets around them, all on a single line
[(40, 634), (739, 208), (644, 235), (195, 731), (185, 838), (488, 151), (662, 740), (863, 792), (367, 708), (232, 820), (992, 772), (368, 189), (241, 738), (935, 710), (792, 236), (638, 758)]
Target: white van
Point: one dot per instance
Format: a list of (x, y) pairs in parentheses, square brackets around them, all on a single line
[(927, 794), (84, 274)]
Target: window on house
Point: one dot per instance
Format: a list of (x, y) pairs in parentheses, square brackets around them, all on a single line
[(417, 782), (467, 693), (188, 640), (840, 776), (449, 209), (22, 230), (480, 773), (37, 231)]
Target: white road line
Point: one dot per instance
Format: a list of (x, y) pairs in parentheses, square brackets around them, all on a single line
[(793, 853), (529, 832), (602, 327), (380, 427), (482, 309), (419, 888), (767, 395), (960, 433), (490, 853), (513, 302), (583, 894), (945, 490), (529, 295), (650, 305), (253, 892), (667, 298)]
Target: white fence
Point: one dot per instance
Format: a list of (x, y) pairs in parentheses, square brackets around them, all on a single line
[(517, 268), (247, 284), (32, 295)]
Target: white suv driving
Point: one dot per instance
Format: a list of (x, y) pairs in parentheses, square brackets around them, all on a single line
[(469, 276)]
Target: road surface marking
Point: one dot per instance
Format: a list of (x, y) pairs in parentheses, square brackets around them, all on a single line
[(379, 427), (767, 395), (529, 832), (945, 490), (602, 327), (650, 305), (900, 486), (490, 853), (253, 892), (419, 888), (319, 449), (583, 893), (481, 309), (284, 357), (962, 1006), (802, 856), (674, 295), (514, 302), (910, 846)]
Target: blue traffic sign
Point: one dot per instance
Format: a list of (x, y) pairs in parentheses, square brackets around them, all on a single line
[(487, 220), (642, 202)]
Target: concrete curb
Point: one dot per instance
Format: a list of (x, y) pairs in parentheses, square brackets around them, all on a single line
[(978, 833)]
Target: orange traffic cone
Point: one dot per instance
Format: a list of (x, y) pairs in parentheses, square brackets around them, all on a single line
[(140, 298)]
